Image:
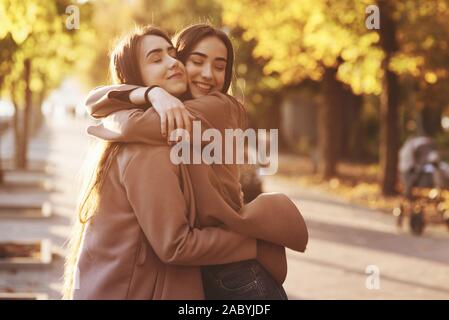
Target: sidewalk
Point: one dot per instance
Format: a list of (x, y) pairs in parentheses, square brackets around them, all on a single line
[(62, 144), (344, 240)]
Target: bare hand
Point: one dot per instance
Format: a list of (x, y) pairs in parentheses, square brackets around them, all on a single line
[(172, 111)]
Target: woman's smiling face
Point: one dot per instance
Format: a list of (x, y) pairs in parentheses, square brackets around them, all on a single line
[(159, 66), (206, 67)]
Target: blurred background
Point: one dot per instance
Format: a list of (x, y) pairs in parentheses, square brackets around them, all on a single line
[(347, 83)]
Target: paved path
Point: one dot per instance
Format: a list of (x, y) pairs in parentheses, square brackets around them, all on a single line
[(346, 239), (62, 144)]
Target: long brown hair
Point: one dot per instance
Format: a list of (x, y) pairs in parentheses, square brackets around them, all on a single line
[(123, 68)]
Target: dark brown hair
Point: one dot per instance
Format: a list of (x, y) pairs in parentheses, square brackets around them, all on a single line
[(190, 36), (124, 62)]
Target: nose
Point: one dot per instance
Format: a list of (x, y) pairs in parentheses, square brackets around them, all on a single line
[(206, 71), (173, 63)]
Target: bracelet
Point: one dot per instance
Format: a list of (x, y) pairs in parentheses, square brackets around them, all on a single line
[(147, 100)]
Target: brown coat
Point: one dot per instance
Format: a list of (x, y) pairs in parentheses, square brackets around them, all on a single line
[(207, 196), (139, 244)]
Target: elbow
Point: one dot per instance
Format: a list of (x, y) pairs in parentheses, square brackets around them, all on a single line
[(90, 106), (167, 260), (168, 257), (303, 232), (94, 102), (303, 235), (124, 128), (171, 255), (172, 259), (304, 242)]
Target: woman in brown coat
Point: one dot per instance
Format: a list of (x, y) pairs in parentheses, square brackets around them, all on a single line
[(216, 188)]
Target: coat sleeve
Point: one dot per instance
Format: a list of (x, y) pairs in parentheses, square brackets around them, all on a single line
[(218, 110), (130, 125), (123, 122), (164, 221), (104, 100)]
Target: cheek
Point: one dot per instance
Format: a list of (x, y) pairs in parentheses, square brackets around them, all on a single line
[(152, 74), (219, 79), (192, 71)]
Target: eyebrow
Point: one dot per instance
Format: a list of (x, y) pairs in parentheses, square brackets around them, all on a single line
[(205, 56), (158, 50)]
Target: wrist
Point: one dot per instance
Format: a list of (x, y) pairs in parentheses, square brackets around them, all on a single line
[(151, 93)]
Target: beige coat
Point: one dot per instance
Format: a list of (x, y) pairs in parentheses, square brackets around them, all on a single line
[(158, 256)]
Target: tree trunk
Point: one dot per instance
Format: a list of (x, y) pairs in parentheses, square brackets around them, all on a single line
[(430, 118), (273, 116), (37, 117), (26, 116), (389, 127), (357, 133), (351, 112), (329, 124), (1, 167), (18, 138), (17, 126)]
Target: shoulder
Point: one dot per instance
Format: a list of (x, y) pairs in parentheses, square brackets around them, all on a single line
[(221, 105), (223, 99), (236, 108), (144, 158)]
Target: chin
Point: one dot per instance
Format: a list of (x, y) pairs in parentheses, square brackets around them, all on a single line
[(177, 90), (195, 94)]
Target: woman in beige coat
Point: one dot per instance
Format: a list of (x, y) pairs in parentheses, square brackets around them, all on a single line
[(169, 238)]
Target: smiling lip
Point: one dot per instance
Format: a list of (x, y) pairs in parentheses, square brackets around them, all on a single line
[(177, 75), (200, 85)]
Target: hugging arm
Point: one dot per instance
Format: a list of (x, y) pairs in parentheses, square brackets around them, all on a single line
[(164, 219), (125, 123), (165, 224), (219, 111), (104, 100)]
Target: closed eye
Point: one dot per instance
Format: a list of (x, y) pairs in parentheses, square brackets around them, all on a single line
[(155, 58)]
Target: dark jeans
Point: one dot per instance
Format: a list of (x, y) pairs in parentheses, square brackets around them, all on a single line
[(244, 280)]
